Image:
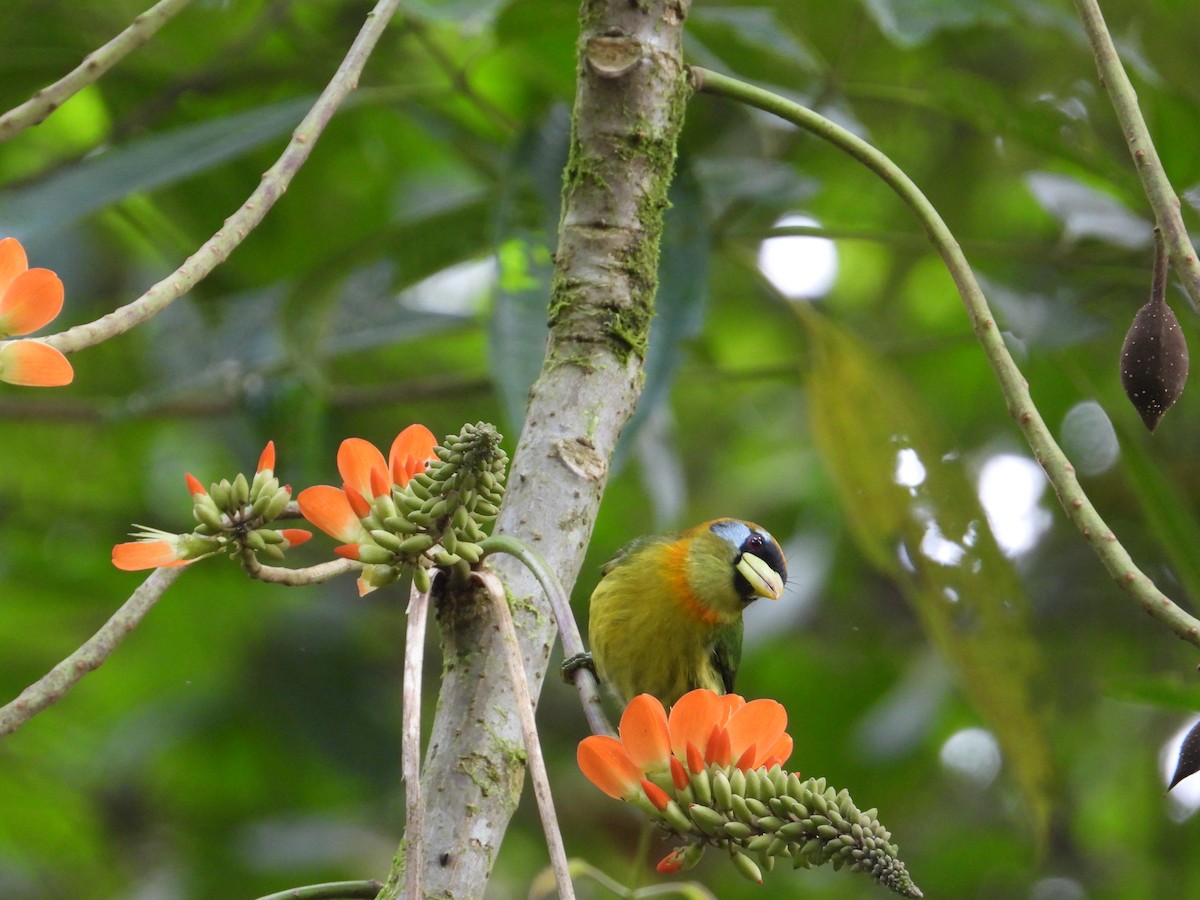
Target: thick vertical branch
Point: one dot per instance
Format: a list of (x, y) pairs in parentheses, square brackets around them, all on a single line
[(628, 111)]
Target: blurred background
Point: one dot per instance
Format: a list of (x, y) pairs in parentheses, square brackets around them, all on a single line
[(949, 649)]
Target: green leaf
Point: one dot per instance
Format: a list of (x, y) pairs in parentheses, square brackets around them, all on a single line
[(909, 23), (751, 40), (916, 517), (142, 165)]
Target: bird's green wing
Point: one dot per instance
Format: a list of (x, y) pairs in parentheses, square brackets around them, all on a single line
[(727, 654), (632, 547)]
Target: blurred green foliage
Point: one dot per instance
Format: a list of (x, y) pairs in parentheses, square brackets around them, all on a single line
[(246, 737)]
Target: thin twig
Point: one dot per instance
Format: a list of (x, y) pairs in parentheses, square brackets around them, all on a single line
[(410, 753), (318, 574), (238, 226), (35, 110), (334, 890), (1013, 386), (568, 630), (533, 748), (51, 687), (1163, 199)]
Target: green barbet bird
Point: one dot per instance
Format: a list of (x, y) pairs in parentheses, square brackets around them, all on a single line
[(666, 617)]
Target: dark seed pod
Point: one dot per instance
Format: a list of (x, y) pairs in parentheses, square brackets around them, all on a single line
[(1189, 757), (1154, 357)]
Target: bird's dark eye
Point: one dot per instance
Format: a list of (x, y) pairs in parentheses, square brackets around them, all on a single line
[(755, 542)]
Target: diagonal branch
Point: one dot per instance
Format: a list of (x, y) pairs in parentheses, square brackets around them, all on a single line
[(37, 108), (238, 226), (51, 687)]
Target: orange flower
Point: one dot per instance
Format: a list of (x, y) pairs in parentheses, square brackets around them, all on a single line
[(156, 549), (365, 476), (29, 299), (220, 525), (135, 555), (704, 728)]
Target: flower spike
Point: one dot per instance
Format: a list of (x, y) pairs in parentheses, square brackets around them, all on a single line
[(230, 515), (709, 773), (425, 506)]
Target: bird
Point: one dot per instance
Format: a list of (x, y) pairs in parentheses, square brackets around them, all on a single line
[(666, 615)]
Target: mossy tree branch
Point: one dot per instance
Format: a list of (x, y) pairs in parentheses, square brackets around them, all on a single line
[(628, 111)]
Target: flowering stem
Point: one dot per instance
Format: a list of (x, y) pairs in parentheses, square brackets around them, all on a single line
[(533, 748), (334, 890), (51, 687), (1163, 199), (317, 574), (584, 678), (414, 816), (1059, 470), (37, 108), (238, 226)]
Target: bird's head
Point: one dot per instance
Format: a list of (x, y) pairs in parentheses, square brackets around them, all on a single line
[(759, 569), (731, 563)]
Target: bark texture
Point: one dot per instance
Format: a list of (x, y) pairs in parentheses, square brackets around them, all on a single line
[(628, 111)]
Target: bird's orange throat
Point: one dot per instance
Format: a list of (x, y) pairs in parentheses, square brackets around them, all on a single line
[(682, 593)]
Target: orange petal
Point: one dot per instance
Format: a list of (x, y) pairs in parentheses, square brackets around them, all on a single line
[(692, 719), (380, 483), (730, 703), (679, 775), (655, 794), (34, 298), (695, 759), (12, 262), (267, 459), (137, 555), (759, 723), (328, 509), (671, 863), (347, 551), (34, 364), (358, 503), (718, 751), (746, 760), (411, 449), (356, 459), (364, 585), (643, 731), (779, 754), (195, 488), (604, 762), (295, 536)]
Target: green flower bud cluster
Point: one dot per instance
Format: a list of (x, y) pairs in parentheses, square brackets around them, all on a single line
[(763, 815), (439, 517), (235, 513)]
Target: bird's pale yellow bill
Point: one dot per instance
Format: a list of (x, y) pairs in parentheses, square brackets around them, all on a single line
[(764, 581)]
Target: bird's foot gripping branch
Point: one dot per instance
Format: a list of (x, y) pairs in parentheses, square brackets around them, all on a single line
[(711, 773)]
